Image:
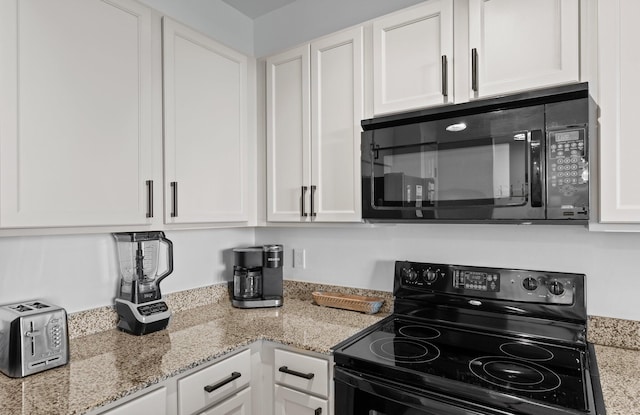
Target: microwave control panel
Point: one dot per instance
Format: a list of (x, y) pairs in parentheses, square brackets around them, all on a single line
[(568, 174)]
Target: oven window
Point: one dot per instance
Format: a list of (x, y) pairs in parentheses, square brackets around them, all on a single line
[(485, 171)]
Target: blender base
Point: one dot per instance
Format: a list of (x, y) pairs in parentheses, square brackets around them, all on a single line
[(265, 302), (133, 322)]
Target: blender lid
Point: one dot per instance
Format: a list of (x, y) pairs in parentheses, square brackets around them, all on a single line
[(272, 248), (138, 236)]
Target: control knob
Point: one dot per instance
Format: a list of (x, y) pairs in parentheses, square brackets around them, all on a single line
[(556, 288), (409, 274), (530, 284), (429, 275)]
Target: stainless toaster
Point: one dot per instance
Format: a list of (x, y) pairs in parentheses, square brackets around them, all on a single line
[(33, 338)]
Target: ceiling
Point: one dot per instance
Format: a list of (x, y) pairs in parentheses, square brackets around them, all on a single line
[(257, 8)]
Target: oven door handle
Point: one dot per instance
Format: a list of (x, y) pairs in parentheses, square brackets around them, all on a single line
[(536, 168)]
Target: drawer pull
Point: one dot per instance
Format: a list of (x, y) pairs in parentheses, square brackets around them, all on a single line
[(211, 388), (318, 411), (288, 371)]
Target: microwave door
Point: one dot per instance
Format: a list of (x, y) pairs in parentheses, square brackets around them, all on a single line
[(472, 178)]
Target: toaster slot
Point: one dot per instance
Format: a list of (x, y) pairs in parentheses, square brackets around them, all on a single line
[(37, 364)]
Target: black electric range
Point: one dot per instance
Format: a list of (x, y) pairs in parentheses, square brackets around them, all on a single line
[(472, 341)]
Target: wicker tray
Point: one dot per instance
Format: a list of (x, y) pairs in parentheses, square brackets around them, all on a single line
[(368, 305)]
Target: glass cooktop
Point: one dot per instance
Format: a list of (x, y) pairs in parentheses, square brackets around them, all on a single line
[(413, 352)]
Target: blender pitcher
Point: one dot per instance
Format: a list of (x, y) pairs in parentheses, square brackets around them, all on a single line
[(138, 257)]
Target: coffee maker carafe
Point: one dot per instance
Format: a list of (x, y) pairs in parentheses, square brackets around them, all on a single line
[(139, 304), (257, 276)]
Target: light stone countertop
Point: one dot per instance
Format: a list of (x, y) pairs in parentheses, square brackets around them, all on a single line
[(111, 364)]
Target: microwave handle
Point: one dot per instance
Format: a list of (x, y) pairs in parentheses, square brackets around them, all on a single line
[(535, 149)]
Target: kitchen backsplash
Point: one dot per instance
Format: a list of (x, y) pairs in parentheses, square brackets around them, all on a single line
[(601, 330)]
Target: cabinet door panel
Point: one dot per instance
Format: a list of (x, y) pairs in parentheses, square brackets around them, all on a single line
[(619, 67), (291, 402), (407, 50), (288, 135), (75, 85), (336, 113), (523, 45), (205, 127)]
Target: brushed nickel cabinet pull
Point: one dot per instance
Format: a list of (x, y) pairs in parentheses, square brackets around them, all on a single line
[(174, 199), (445, 79), (303, 211), (313, 196), (211, 388), (285, 369), (149, 198), (474, 69)]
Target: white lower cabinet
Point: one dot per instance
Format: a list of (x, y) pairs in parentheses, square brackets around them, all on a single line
[(238, 404), (214, 383), (302, 383), (151, 403), (263, 379), (291, 402)]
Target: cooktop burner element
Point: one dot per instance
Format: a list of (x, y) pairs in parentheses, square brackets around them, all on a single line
[(514, 374), (527, 351), (488, 337), (404, 350), (419, 332)]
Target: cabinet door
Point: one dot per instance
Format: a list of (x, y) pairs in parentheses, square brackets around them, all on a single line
[(337, 105), (619, 66), (238, 404), (75, 88), (413, 58), (522, 44), (152, 403), (291, 402), (288, 136), (205, 107)]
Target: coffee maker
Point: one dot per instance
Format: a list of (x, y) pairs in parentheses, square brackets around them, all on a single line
[(257, 276), (139, 304)]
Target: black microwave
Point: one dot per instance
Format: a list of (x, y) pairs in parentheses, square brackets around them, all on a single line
[(520, 158)]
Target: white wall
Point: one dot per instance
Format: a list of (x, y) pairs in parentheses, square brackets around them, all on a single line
[(364, 256), (214, 18), (79, 272), (304, 20)]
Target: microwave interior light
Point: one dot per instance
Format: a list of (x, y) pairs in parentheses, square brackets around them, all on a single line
[(456, 127)]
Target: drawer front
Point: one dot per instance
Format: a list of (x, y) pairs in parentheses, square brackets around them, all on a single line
[(213, 383), (302, 372)]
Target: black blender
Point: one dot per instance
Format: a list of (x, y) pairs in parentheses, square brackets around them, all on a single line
[(139, 304)]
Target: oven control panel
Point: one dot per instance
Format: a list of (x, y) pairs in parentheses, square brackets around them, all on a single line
[(492, 283)]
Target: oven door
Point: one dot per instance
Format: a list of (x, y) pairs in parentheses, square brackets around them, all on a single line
[(475, 167), (358, 394)]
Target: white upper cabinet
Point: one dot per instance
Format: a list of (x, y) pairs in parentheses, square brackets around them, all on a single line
[(413, 58), (75, 127), (205, 124), (337, 102), (314, 109), (288, 135), (519, 45), (619, 66)]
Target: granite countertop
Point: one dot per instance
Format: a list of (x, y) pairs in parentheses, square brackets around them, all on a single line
[(109, 365)]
